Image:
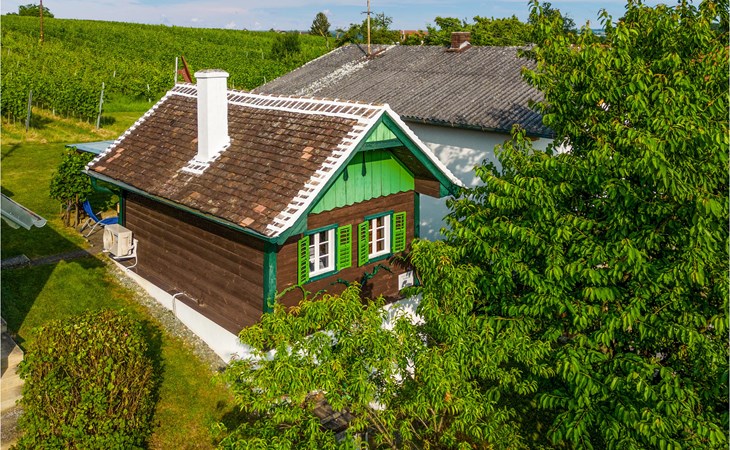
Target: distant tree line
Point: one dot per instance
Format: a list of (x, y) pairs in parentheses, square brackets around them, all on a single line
[(32, 10)]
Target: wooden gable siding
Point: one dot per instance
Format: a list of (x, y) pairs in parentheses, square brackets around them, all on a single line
[(383, 283), (220, 270), (369, 175)]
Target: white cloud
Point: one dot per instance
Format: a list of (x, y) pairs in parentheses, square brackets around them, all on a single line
[(230, 26)]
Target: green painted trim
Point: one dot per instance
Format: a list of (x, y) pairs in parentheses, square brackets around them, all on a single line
[(122, 206), (269, 274), (320, 229), (380, 258), (446, 184), (180, 207), (375, 216), (323, 275), (379, 145), (417, 215)]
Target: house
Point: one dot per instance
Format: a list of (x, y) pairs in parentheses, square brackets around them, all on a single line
[(235, 197), (461, 101)]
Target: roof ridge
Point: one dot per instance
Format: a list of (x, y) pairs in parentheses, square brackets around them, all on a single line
[(293, 103)]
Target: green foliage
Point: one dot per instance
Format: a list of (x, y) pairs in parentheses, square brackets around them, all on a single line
[(89, 383), (484, 31), (32, 10), (286, 45), (438, 384), (69, 182), (380, 32), (615, 252), (66, 72), (320, 25)]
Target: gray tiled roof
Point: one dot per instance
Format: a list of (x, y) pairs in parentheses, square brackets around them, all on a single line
[(480, 88)]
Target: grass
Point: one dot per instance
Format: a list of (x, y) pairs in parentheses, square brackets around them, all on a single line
[(33, 296), (28, 162), (189, 402)]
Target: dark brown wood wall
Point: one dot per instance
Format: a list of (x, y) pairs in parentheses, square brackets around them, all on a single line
[(383, 283), (220, 269)]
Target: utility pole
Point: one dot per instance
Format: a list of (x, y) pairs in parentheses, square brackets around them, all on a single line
[(42, 21), (368, 27)]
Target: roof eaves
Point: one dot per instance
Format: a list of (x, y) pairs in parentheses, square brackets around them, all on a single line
[(176, 205), (466, 126), (424, 149)]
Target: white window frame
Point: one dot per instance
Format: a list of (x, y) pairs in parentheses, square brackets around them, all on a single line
[(373, 241), (315, 255)]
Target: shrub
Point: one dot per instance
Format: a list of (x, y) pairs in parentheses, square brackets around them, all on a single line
[(89, 383), (69, 184)]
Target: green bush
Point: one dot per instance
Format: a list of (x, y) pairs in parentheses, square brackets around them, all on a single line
[(89, 383)]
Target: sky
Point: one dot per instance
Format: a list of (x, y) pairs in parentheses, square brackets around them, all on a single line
[(298, 14)]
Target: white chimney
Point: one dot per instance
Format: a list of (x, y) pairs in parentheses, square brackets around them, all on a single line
[(212, 113)]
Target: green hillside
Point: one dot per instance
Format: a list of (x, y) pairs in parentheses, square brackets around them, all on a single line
[(134, 61)]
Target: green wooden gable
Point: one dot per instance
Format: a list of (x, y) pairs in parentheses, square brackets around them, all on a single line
[(370, 174)]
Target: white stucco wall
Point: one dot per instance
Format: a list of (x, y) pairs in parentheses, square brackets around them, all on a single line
[(460, 150)]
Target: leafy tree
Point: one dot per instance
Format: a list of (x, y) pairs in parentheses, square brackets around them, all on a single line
[(286, 45), (69, 185), (440, 384), (321, 27), (547, 12), (32, 10), (484, 31), (380, 32), (615, 252)]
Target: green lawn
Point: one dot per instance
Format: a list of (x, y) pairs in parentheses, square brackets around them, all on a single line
[(189, 402)]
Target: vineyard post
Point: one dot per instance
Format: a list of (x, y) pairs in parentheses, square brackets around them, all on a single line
[(30, 105), (101, 102), (176, 71)]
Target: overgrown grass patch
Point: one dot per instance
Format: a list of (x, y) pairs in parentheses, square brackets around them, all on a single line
[(189, 402)]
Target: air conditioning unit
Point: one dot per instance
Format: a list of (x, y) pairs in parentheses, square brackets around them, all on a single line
[(117, 240)]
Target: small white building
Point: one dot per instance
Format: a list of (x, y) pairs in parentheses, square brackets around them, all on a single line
[(460, 100)]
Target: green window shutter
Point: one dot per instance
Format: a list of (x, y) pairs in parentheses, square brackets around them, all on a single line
[(363, 247), (344, 247), (303, 260), (399, 232)]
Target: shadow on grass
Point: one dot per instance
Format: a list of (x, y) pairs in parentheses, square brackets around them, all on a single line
[(23, 287)]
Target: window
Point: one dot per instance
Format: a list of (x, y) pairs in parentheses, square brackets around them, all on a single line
[(379, 239), (321, 252), (381, 236)]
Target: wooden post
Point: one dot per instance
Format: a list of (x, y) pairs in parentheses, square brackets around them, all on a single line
[(76, 206), (41, 21), (30, 105), (98, 118)]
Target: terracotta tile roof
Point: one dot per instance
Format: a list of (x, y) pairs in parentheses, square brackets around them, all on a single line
[(283, 150), (479, 88)]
